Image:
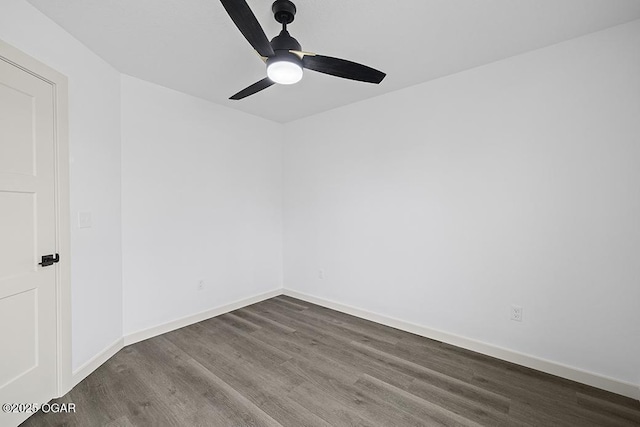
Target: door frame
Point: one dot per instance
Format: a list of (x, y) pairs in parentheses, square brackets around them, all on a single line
[(59, 84)]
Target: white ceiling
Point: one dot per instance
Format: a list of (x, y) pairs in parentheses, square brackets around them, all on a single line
[(192, 45)]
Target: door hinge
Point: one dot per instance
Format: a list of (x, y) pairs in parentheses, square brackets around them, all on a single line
[(48, 260)]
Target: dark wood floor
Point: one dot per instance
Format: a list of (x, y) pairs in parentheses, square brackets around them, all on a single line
[(291, 363)]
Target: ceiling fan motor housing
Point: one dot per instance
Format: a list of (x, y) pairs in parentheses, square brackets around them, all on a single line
[(284, 41)]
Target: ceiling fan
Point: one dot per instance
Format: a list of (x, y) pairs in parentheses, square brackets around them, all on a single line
[(283, 55)]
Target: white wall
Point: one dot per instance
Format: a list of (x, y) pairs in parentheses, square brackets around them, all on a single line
[(201, 200), (513, 183), (94, 116)]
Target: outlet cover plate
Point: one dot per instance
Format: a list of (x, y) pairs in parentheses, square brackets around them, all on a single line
[(516, 313)]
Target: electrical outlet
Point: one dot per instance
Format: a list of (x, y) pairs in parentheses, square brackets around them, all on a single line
[(321, 274), (201, 285), (516, 313)]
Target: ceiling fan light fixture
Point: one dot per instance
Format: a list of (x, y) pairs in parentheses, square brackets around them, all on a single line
[(284, 71)]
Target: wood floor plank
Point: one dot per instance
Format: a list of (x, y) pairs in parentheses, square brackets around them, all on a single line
[(412, 404), (144, 405), (262, 387), (430, 355), (393, 333), (605, 396), (450, 393), (333, 377), (286, 362), (172, 381), (120, 422), (232, 363), (354, 329), (337, 347), (262, 321), (329, 327), (488, 400), (546, 413), (298, 305), (596, 407), (463, 403), (521, 387), (243, 346), (326, 407), (382, 333), (188, 387), (239, 322), (341, 387)]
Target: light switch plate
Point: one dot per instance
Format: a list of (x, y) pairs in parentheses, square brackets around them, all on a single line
[(84, 220)]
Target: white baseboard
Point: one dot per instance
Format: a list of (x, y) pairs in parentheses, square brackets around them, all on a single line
[(94, 363), (548, 366), (144, 334)]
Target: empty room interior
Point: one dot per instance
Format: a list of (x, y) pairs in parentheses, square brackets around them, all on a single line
[(320, 213)]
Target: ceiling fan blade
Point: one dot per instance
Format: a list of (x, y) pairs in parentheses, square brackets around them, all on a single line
[(342, 68), (246, 21), (254, 88)]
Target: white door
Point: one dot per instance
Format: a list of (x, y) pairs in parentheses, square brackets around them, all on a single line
[(27, 231)]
